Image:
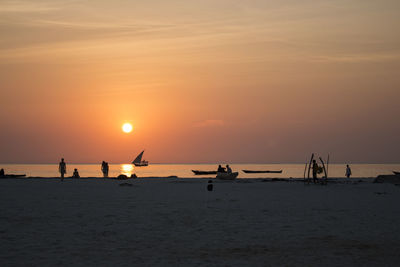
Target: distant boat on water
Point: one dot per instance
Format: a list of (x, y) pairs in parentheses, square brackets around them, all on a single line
[(138, 162), (249, 171), (196, 172), (13, 176)]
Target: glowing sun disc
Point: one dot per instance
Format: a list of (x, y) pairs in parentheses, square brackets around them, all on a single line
[(127, 127)]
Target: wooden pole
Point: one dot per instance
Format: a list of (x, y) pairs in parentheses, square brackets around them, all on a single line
[(326, 174), (327, 166), (309, 167), (305, 169)]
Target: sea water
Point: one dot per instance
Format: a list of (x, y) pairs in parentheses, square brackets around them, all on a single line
[(185, 170)]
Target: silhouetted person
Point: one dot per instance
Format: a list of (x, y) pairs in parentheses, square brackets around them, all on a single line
[(348, 171), (133, 175), (62, 168), (220, 169), (75, 174), (210, 185), (315, 168), (2, 173), (104, 168), (228, 169)]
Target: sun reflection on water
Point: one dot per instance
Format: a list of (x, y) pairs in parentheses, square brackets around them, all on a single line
[(127, 169)]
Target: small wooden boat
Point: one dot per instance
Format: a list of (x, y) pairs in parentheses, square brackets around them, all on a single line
[(396, 173), (13, 176), (249, 171), (196, 172), (227, 176)]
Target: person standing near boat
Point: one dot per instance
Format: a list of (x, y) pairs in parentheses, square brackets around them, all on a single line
[(348, 171), (315, 169), (62, 168)]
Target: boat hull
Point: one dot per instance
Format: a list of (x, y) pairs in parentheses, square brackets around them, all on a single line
[(13, 176), (196, 172), (249, 171), (141, 164), (227, 176)]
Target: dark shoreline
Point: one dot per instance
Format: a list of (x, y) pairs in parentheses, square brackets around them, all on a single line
[(238, 180)]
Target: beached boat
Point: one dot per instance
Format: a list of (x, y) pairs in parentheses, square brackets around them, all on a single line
[(227, 176), (138, 162), (249, 171), (196, 172), (13, 176), (397, 173)]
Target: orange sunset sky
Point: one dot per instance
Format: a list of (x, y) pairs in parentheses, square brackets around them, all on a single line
[(200, 81)]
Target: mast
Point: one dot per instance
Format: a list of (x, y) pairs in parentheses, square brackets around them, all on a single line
[(138, 159)]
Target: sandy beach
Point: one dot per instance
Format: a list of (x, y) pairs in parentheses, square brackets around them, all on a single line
[(158, 222)]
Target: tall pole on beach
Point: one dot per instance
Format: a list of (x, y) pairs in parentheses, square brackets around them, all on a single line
[(327, 167), (326, 173), (305, 169), (309, 167)]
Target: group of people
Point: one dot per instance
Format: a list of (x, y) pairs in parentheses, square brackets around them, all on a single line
[(317, 169), (222, 169), (62, 168)]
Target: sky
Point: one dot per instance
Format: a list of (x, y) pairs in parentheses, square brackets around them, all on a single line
[(201, 81)]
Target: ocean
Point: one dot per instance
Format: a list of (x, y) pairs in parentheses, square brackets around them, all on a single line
[(184, 170)]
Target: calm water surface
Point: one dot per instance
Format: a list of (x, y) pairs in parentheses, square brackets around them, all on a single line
[(184, 170)]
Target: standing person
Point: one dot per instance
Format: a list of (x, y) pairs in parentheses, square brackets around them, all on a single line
[(104, 168), (315, 168), (62, 168), (348, 171)]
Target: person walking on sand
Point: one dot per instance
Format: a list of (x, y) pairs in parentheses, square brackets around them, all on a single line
[(62, 168), (315, 168), (104, 168), (348, 171)]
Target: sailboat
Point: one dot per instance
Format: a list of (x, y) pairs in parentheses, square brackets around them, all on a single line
[(138, 162)]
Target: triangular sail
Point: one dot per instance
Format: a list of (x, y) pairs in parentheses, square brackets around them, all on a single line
[(138, 158)]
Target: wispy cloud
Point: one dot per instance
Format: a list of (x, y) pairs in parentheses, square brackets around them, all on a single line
[(26, 7), (371, 57)]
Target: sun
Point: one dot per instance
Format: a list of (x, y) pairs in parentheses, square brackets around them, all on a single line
[(127, 127)]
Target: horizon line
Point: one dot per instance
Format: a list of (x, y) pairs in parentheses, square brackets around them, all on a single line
[(206, 163)]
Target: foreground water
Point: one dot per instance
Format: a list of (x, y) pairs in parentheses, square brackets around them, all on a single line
[(185, 170)]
